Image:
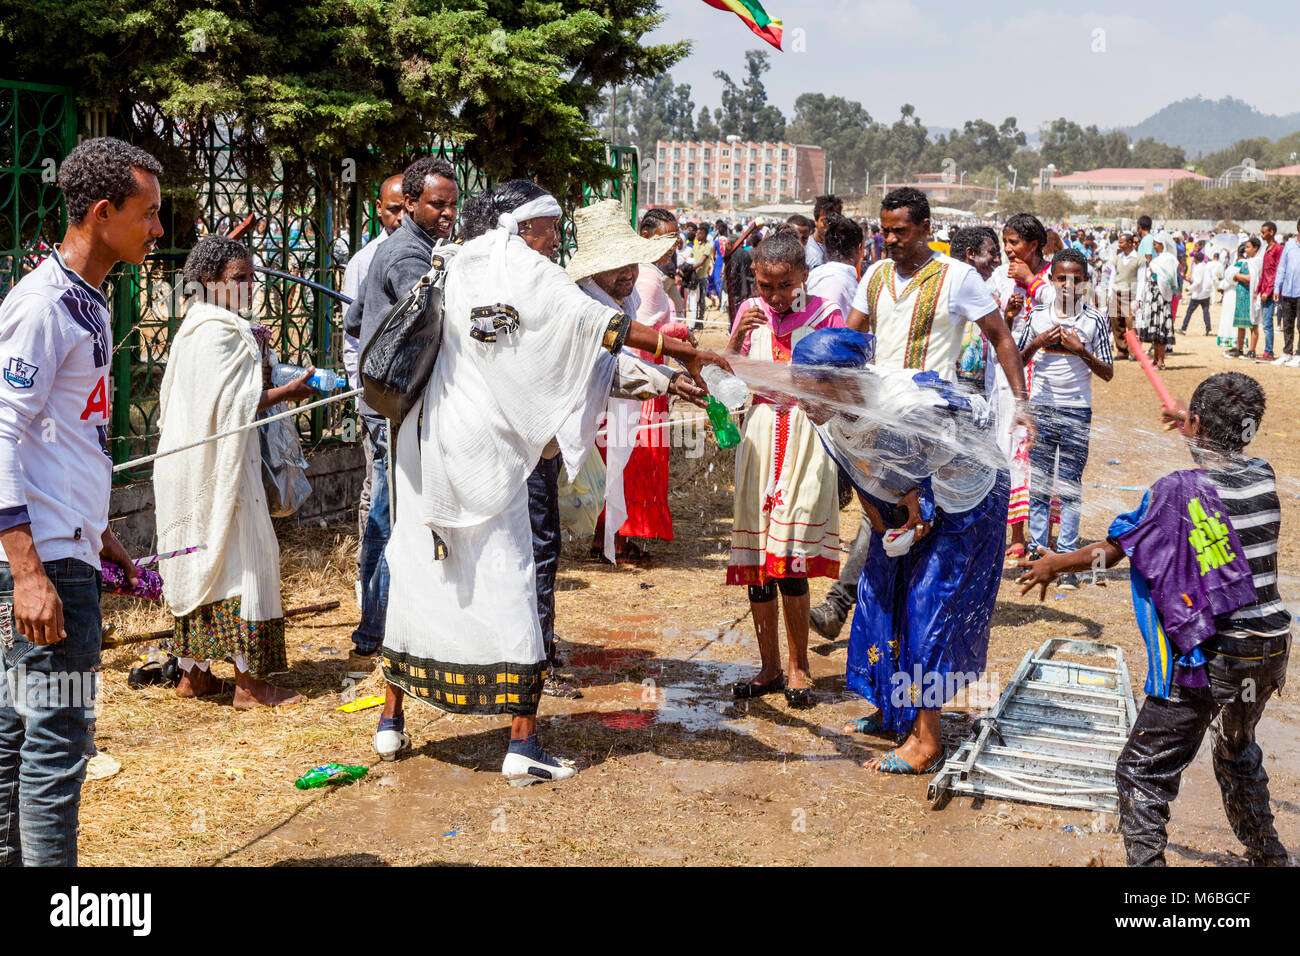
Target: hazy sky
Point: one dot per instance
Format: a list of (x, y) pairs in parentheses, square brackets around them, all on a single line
[(1012, 59)]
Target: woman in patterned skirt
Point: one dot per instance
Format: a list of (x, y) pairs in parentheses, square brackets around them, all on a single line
[(786, 524), (1156, 316), (226, 598)]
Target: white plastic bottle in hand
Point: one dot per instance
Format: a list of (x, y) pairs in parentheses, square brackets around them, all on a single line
[(726, 388), (323, 379)]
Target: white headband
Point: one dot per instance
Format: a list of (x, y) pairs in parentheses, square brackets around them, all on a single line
[(544, 205)]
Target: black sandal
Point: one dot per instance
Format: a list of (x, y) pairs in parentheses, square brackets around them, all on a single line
[(165, 671), (800, 698), (747, 690)]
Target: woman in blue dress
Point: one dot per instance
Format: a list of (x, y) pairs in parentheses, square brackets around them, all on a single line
[(923, 457)]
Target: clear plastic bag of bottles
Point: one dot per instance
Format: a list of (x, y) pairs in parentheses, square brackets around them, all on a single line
[(284, 469)]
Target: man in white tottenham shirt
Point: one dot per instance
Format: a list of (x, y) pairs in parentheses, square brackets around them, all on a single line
[(836, 279), (55, 476), (391, 208)]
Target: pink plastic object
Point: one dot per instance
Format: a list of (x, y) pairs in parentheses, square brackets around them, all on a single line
[(1162, 393), (148, 585)]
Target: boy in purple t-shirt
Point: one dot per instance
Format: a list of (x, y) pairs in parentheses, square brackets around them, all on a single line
[(1203, 544)]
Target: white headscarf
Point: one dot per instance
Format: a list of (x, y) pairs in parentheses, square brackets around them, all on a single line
[(542, 207), (1165, 265)]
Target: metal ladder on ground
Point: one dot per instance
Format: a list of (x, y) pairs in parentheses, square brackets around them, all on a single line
[(1054, 735)]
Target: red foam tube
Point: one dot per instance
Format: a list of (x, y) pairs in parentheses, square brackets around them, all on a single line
[(1135, 347)]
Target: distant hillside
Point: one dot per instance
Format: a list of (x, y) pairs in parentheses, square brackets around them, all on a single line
[(1203, 126)]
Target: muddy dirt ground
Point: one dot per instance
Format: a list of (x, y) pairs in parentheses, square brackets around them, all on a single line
[(675, 771)]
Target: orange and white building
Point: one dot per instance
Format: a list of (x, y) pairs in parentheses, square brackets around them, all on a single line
[(738, 174), (939, 188), (1119, 185)]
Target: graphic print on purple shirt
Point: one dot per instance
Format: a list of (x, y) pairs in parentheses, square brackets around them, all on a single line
[(1188, 568)]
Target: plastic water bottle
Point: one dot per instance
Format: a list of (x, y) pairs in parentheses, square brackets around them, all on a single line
[(727, 389), (724, 429), (329, 773), (323, 380)]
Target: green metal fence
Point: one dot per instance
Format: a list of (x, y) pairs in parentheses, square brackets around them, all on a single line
[(294, 234), (624, 186), (308, 230), (38, 126)]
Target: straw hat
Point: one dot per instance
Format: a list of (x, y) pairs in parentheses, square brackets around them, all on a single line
[(607, 241)]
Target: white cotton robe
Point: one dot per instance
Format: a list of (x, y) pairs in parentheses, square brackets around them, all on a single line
[(462, 633), (212, 494)]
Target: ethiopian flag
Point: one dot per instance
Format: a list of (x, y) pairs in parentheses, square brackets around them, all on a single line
[(755, 17)]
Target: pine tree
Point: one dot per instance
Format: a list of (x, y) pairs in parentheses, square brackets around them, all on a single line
[(513, 82)]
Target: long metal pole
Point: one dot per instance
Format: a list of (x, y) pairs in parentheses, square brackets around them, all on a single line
[(108, 641), (235, 431), (307, 282)]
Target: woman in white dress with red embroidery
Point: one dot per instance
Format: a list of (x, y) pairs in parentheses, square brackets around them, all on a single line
[(786, 519)]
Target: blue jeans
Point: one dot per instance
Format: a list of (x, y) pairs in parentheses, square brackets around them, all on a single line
[(47, 714), (1266, 320), (544, 514), (369, 635), (1062, 431)]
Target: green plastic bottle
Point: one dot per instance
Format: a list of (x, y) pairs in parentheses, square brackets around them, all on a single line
[(724, 429), (329, 773)]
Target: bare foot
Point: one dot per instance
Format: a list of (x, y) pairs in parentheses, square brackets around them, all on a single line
[(197, 682), (252, 692), (912, 750)]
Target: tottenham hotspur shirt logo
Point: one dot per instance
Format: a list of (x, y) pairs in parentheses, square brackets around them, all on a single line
[(20, 374)]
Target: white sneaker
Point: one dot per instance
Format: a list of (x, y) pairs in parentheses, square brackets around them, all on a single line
[(1282, 359), (1294, 361), (521, 770), (389, 744)]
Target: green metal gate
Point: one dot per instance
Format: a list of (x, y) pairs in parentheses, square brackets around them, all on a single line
[(38, 125), (291, 231), (308, 230)]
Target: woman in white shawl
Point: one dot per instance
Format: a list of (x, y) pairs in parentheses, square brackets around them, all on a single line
[(1224, 259), (1156, 324), (226, 598), (1245, 297), (520, 343)]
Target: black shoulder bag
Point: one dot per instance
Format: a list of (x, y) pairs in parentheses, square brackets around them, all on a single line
[(398, 360)]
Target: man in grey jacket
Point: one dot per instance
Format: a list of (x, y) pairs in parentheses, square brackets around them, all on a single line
[(430, 196)]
